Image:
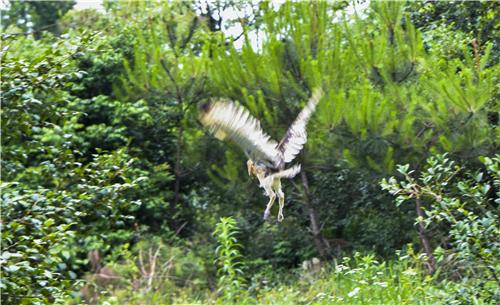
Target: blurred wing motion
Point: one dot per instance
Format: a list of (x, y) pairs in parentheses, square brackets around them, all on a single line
[(296, 135), (267, 158), (288, 173), (228, 120)]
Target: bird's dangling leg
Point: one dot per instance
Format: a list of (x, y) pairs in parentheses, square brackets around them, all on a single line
[(272, 197), (281, 200), (276, 186)]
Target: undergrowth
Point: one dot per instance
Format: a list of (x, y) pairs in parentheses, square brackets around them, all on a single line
[(359, 279)]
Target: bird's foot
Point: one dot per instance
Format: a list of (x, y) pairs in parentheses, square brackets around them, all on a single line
[(280, 217), (266, 214)]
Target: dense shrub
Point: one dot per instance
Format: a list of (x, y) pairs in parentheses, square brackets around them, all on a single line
[(465, 204)]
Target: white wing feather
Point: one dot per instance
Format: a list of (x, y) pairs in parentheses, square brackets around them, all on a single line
[(296, 135), (288, 173), (226, 119)]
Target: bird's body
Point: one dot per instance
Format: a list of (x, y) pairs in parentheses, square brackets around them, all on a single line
[(267, 158)]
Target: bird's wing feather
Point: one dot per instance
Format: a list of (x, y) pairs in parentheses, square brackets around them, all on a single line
[(226, 119), (288, 173), (296, 135)]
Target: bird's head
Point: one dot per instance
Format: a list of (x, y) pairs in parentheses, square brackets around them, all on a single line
[(204, 111), (204, 106), (254, 169)]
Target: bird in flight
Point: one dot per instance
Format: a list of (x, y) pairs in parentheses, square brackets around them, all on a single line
[(266, 157)]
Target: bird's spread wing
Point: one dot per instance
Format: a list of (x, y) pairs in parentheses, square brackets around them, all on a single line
[(296, 135), (226, 119)]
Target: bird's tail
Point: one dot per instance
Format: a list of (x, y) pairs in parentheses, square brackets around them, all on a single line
[(288, 173)]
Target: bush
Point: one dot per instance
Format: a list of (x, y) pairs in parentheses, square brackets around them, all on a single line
[(465, 205), (56, 203)]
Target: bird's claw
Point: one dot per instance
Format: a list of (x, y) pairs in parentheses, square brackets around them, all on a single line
[(266, 214), (280, 217)]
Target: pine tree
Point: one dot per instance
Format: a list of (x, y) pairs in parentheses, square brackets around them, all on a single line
[(168, 70), (385, 100)]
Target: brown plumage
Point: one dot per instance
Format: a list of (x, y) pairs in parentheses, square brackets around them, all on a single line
[(267, 158)]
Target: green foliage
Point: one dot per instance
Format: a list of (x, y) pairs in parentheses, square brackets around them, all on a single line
[(53, 197), (385, 103), (33, 233), (475, 19), (380, 93), (467, 203), (40, 223), (359, 213), (101, 150), (176, 70), (231, 283), (361, 279), (35, 16), (28, 78), (150, 272), (166, 69)]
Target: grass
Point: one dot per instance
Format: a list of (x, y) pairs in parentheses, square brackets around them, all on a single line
[(360, 279)]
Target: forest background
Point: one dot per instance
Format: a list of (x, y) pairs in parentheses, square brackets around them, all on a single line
[(113, 193)]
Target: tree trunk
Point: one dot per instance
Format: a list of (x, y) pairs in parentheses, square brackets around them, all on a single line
[(320, 242), (177, 168), (431, 266)]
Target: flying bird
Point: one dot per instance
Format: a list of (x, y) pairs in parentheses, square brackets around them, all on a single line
[(266, 158)]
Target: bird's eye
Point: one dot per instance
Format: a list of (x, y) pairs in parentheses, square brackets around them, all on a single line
[(205, 106)]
